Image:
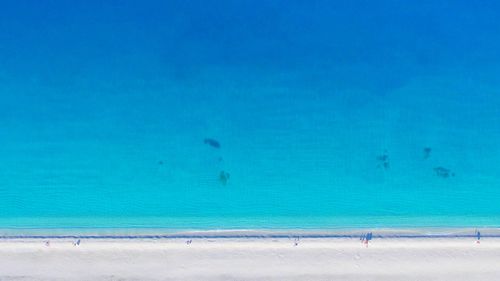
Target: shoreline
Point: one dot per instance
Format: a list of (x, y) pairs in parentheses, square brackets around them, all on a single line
[(131, 233)]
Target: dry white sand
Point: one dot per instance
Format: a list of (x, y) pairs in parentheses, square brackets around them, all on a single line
[(251, 259)]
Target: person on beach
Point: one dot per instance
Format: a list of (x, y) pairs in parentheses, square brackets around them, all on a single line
[(368, 237), (296, 242), (478, 237)]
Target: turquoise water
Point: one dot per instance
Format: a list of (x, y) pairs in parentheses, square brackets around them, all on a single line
[(328, 114)]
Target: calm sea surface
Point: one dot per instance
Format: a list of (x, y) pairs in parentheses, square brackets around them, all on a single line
[(249, 114)]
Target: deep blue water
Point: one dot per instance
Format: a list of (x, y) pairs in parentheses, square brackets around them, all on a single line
[(328, 113)]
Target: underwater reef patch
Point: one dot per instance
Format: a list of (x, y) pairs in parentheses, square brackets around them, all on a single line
[(443, 172), (223, 177), (213, 143)]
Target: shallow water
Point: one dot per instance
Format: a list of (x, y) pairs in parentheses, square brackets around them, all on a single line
[(330, 114)]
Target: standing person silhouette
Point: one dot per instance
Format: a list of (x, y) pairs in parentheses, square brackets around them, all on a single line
[(368, 237)]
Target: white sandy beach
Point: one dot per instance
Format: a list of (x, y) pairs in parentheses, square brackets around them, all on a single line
[(251, 259)]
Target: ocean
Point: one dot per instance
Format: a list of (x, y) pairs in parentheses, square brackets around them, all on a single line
[(249, 114)]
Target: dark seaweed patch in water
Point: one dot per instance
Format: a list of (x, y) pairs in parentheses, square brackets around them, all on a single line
[(383, 161), (443, 172), (383, 158), (427, 152), (212, 142), (223, 177)]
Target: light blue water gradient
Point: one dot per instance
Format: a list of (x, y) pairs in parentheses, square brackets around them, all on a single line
[(104, 106)]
